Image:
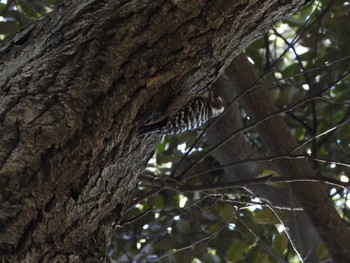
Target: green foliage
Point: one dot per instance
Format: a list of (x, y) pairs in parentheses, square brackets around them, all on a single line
[(16, 14)]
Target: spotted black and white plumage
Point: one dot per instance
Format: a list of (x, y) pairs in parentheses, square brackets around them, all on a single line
[(187, 113)]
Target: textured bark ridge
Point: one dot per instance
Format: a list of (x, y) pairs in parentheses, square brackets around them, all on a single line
[(75, 86)]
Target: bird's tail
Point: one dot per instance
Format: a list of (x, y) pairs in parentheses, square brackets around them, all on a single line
[(151, 128)]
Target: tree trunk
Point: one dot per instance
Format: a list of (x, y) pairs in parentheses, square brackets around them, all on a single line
[(76, 85)]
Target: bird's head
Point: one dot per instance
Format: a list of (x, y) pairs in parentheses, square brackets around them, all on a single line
[(217, 104)]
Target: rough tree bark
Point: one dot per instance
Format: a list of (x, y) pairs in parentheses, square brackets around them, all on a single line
[(75, 86)]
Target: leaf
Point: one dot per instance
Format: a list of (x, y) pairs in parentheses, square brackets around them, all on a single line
[(266, 217), (262, 258), (226, 211), (159, 202), (236, 250), (321, 251), (213, 228), (26, 8), (280, 243), (299, 134)]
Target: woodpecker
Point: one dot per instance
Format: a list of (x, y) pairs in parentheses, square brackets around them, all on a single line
[(186, 112)]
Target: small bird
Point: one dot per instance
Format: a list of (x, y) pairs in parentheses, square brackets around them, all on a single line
[(186, 112)]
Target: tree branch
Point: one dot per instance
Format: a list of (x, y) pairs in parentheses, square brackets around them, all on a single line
[(163, 182)]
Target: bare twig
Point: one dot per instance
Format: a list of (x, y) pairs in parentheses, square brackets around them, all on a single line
[(268, 159), (133, 219), (178, 186)]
